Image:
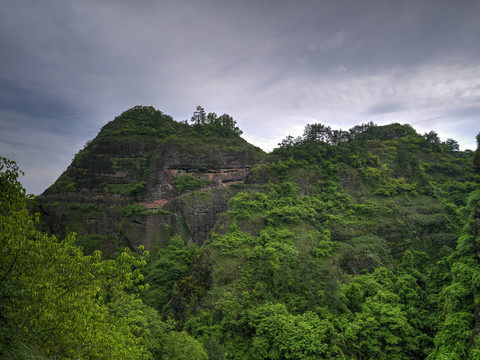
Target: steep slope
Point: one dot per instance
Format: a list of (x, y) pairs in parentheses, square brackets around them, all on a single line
[(339, 244), (330, 249), (139, 162)]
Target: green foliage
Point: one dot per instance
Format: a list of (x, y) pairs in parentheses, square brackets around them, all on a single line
[(245, 204), (365, 253), (81, 156), (452, 145), (13, 194), (233, 241), (187, 182), (454, 339), (381, 180), (182, 346), (85, 207), (325, 245), (280, 206), (165, 269), (133, 190), (381, 330), (146, 120), (51, 292), (460, 301), (359, 244), (161, 211), (90, 243), (140, 120), (281, 335), (476, 158), (213, 125), (58, 303), (134, 210), (64, 184), (341, 241)]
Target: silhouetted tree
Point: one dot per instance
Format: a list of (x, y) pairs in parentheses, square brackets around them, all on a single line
[(199, 116), (432, 137), (476, 158), (452, 145)]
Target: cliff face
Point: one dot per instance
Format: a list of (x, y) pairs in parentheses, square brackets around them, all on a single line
[(220, 162), (139, 163)]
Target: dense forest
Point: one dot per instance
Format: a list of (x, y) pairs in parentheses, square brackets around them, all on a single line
[(358, 244)]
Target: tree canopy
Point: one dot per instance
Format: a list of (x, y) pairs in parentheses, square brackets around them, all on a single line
[(358, 244), (58, 303)]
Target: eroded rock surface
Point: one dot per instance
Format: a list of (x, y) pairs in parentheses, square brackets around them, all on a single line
[(135, 160)]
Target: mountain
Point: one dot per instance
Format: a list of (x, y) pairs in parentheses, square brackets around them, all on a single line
[(141, 162), (358, 244)]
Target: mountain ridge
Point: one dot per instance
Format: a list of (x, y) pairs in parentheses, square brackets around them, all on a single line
[(144, 157), (363, 237)]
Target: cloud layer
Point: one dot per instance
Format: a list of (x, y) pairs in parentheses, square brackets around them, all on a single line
[(68, 67)]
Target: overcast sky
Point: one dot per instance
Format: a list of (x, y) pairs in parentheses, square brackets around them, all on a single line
[(68, 67)]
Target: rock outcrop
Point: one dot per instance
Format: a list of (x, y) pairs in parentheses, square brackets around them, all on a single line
[(123, 187)]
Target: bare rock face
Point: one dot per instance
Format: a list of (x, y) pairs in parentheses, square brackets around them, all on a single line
[(218, 164), (199, 211), (134, 163)]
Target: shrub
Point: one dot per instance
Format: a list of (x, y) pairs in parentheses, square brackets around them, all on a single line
[(134, 210), (187, 182)]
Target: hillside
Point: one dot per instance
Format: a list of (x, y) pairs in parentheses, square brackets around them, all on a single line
[(358, 244), (340, 246), (142, 161)]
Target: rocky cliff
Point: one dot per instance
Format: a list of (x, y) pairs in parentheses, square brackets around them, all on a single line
[(146, 177)]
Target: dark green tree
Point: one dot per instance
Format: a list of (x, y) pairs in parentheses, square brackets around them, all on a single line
[(476, 158), (199, 116), (432, 137), (57, 303), (452, 145)]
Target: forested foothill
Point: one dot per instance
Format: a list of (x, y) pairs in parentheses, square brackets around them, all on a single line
[(358, 244)]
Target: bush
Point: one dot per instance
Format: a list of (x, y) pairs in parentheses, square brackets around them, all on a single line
[(134, 210), (187, 182), (134, 190)]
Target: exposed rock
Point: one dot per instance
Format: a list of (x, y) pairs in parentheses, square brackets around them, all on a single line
[(135, 160), (221, 163), (199, 210)]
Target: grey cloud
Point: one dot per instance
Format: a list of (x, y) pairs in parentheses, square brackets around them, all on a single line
[(472, 111), (67, 68), (28, 102), (41, 153), (386, 108)]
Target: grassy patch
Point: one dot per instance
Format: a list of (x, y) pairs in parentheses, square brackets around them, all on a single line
[(134, 190), (187, 182)]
